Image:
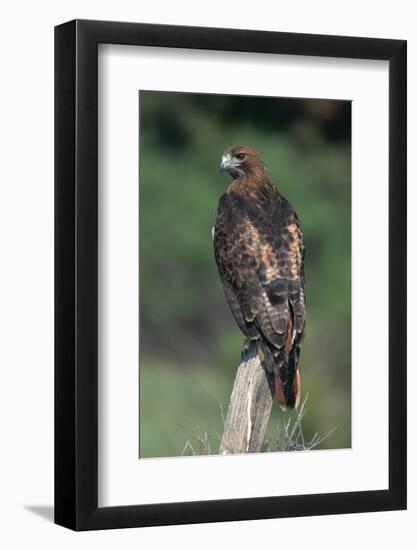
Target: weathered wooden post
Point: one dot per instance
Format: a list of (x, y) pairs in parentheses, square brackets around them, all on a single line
[(249, 408)]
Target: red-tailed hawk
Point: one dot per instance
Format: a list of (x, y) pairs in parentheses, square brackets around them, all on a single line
[(259, 250)]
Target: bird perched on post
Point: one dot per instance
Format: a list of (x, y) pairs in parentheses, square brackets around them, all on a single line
[(259, 250)]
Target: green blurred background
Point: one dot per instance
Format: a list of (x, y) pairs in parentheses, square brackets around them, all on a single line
[(189, 343)]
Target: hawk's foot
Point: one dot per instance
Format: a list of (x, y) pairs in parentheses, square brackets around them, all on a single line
[(246, 347)]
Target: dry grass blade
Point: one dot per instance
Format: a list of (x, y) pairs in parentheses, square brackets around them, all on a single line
[(290, 436), (201, 437)]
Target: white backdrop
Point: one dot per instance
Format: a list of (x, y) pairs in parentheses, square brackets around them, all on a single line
[(26, 299)]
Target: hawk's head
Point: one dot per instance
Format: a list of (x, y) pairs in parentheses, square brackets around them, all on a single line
[(240, 160)]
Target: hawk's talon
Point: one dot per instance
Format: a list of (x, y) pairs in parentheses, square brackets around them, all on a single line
[(246, 347), (246, 344)]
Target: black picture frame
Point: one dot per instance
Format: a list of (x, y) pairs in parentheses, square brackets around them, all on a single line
[(76, 271)]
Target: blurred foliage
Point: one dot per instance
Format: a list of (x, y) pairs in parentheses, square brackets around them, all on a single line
[(189, 343)]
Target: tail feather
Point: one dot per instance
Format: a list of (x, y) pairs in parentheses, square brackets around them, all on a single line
[(286, 373), (288, 395)]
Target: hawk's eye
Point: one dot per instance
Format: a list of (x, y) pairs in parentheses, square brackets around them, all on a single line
[(240, 156)]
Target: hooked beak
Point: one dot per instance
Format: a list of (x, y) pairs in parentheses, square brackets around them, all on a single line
[(225, 163)]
